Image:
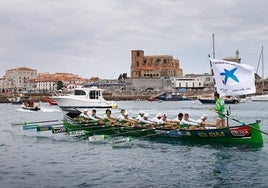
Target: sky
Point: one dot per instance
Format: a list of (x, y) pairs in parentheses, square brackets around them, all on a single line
[(95, 37)]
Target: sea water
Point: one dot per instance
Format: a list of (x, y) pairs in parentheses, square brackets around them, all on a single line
[(41, 159)]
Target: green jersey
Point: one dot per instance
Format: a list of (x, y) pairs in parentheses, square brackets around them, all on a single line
[(220, 105)]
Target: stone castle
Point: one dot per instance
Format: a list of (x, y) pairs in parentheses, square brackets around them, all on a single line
[(154, 66)]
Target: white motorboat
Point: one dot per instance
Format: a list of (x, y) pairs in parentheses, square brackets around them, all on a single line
[(260, 98), (82, 98)]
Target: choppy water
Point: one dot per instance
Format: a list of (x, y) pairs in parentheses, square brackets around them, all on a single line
[(40, 159)]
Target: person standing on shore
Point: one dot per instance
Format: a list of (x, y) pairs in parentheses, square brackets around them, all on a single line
[(220, 109)]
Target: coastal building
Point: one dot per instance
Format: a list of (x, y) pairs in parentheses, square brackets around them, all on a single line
[(48, 82), (18, 79), (155, 66)]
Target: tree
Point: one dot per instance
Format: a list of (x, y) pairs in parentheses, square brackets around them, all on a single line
[(59, 85)]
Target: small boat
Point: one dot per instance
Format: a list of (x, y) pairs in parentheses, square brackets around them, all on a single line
[(168, 96), (212, 101), (241, 134), (18, 100), (34, 107), (50, 101), (82, 98)]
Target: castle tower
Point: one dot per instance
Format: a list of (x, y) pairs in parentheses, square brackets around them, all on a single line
[(137, 57)]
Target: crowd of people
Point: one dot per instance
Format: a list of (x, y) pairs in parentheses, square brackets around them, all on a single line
[(182, 121)]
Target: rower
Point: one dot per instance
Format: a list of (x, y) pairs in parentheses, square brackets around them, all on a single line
[(127, 119), (140, 116), (158, 119)]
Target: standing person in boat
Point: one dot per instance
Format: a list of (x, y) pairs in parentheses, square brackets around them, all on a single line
[(220, 108)]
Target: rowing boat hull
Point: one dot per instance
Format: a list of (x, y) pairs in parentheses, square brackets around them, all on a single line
[(237, 134), (250, 133)]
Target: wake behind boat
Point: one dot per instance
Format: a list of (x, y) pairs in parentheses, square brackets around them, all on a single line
[(82, 98)]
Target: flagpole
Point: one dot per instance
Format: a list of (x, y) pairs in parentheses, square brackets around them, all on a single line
[(213, 43), (213, 56)]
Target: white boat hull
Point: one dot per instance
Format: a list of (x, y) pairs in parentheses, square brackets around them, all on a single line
[(260, 98)]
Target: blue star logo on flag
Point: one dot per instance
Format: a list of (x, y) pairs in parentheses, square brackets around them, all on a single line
[(229, 74)]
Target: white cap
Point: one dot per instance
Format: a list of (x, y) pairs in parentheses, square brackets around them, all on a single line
[(205, 116), (146, 115), (159, 115), (85, 110), (164, 114), (141, 112)]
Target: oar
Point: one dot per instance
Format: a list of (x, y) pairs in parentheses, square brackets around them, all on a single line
[(56, 130), (129, 139), (100, 138), (45, 121), (34, 126), (46, 127), (241, 122)]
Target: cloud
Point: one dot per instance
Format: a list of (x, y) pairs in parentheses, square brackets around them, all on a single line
[(95, 37)]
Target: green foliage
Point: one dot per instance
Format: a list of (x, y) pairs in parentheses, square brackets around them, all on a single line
[(59, 85)]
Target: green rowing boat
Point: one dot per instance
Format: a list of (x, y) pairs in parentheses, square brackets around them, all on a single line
[(246, 133)]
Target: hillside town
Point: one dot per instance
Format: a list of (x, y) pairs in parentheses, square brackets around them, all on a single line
[(149, 75)]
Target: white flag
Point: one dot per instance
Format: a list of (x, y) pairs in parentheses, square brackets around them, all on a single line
[(233, 78)]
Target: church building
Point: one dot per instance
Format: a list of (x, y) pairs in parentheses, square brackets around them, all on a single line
[(156, 66)]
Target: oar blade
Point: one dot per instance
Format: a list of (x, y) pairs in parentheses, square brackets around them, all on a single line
[(97, 138), (77, 133), (28, 127), (124, 142), (42, 128)]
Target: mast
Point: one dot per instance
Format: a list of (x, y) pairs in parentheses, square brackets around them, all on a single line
[(213, 56), (213, 43), (262, 68)]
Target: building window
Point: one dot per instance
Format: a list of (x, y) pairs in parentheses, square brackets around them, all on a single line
[(138, 64), (138, 54)]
